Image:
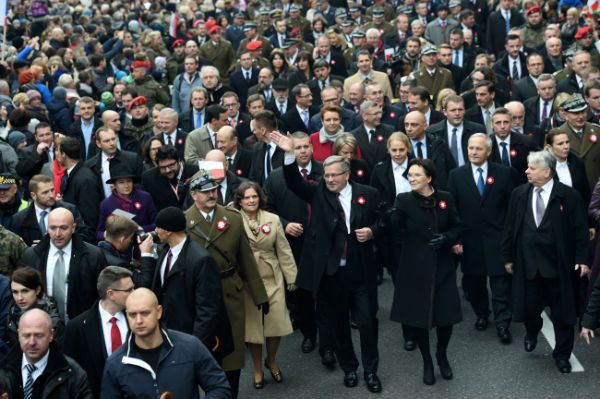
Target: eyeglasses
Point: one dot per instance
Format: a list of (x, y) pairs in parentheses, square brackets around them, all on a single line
[(167, 167), (374, 113), (333, 175), (130, 289), (230, 105)]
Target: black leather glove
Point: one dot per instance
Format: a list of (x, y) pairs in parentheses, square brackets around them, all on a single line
[(438, 241), (264, 307)]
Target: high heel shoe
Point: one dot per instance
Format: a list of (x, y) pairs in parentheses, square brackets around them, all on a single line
[(277, 376), (445, 369), (260, 384), (428, 376)]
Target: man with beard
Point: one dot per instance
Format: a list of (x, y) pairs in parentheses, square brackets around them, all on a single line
[(140, 126), (146, 86), (211, 81), (264, 88), (533, 33), (585, 41)]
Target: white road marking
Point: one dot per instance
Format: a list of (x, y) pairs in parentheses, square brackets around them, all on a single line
[(548, 331)]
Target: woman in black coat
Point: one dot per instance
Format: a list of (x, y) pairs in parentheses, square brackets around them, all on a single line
[(426, 294)]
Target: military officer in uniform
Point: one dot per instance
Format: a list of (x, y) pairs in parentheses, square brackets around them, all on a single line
[(583, 136), (431, 76), (221, 231)]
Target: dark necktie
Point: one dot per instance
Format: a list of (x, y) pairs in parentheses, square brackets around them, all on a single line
[(454, 145), (420, 150), (343, 220), (247, 76), (456, 58), (504, 155), (281, 109), (169, 141), (28, 388), (63, 183), (115, 335), (540, 208), (371, 136), (515, 72), (230, 162), (480, 183), (59, 278), (43, 222), (167, 266), (544, 111), (308, 206)]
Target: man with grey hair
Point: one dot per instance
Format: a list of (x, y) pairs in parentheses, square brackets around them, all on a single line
[(212, 82), (96, 333), (168, 119), (339, 273), (482, 191), (581, 64), (372, 135), (545, 249)]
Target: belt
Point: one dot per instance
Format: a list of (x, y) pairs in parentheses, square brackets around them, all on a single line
[(228, 273)]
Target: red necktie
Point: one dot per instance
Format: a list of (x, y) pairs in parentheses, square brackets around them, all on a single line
[(308, 206), (167, 266), (115, 335)]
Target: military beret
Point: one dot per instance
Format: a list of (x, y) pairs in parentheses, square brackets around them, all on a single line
[(253, 45), (533, 9), (575, 104), (213, 29), (582, 32), (141, 64), (139, 100), (178, 43)]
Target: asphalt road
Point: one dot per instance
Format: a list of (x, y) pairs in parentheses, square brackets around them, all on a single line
[(483, 367)]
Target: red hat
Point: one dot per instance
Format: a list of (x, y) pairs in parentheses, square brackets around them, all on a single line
[(214, 29), (25, 77), (583, 31), (253, 45), (140, 100), (178, 42), (141, 64), (210, 23), (533, 9)]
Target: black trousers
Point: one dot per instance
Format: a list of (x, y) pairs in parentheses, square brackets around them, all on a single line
[(233, 377), (337, 299), (421, 337), (542, 292), (476, 291)]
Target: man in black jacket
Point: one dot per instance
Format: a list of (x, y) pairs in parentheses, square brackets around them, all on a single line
[(84, 128), (372, 135), (238, 158), (69, 266), (266, 156), (187, 282), (34, 156), (499, 23), (96, 333), (31, 223), (58, 377)]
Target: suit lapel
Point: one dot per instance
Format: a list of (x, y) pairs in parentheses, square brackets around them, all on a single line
[(470, 181)]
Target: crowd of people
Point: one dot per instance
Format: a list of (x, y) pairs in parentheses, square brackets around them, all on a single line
[(183, 183)]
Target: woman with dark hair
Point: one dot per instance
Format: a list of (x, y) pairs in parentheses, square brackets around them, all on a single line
[(279, 65), (319, 27), (425, 292), (28, 292), (322, 141), (277, 268), (304, 69), (149, 152), (347, 146)]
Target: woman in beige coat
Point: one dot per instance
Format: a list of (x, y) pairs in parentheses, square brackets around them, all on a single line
[(276, 267)]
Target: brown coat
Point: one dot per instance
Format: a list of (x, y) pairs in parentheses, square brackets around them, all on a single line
[(441, 79), (587, 149), (276, 267), (233, 242)]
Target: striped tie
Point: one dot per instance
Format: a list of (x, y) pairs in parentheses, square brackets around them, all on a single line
[(28, 388)]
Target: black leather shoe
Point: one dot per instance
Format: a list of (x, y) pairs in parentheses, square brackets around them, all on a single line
[(444, 364), (308, 345), (481, 324), (328, 358), (260, 384), (410, 345), (428, 377), (350, 379), (504, 335), (373, 383), (563, 365), (530, 343)]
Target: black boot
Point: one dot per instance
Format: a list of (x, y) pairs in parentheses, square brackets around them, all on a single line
[(428, 376), (445, 369)]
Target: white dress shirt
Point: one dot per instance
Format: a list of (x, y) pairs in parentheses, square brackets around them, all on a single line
[(51, 263), (476, 172), (308, 168), (547, 189), (38, 214), (105, 175), (107, 327), (400, 182), (507, 141), (172, 135), (223, 188), (212, 134), (548, 108), (423, 147), (175, 251), (346, 201), (272, 147), (459, 132), (563, 173), (40, 366)]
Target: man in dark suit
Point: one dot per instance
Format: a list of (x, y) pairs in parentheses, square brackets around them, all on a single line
[(230, 183), (397, 38), (482, 112), (419, 99), (545, 248), (455, 130), (235, 118), (187, 283), (281, 101), (539, 108), (79, 185), (68, 265), (84, 128), (266, 156), (168, 119), (512, 64), (526, 87), (35, 156), (280, 35), (429, 147), (334, 59), (297, 119), (510, 149), (389, 112), (322, 79), (264, 88), (238, 159), (581, 64), (445, 61), (244, 78), (372, 135), (31, 223), (195, 118), (499, 23), (338, 270), (295, 214), (167, 182), (482, 191), (462, 54), (99, 331), (106, 140)]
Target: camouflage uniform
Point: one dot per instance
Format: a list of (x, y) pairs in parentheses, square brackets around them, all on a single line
[(11, 250), (533, 37), (139, 132), (154, 92)]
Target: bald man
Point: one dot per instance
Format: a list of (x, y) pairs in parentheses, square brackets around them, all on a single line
[(112, 119), (230, 183), (517, 110), (69, 266), (239, 159), (37, 368), (181, 355), (429, 147)]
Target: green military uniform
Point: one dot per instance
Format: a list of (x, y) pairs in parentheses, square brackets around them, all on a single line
[(383, 29), (562, 74), (139, 132), (441, 79), (266, 48), (226, 231), (587, 148), (154, 92), (221, 55), (388, 12), (300, 22), (173, 66), (262, 26), (533, 36), (11, 250)]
